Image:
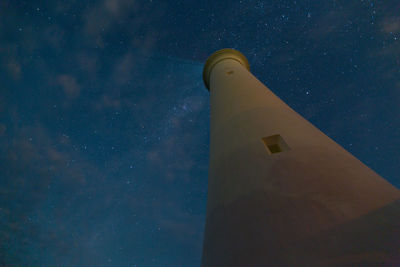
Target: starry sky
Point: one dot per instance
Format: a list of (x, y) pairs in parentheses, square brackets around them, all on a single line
[(104, 118)]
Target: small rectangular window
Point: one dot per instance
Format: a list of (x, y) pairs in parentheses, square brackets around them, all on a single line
[(275, 144)]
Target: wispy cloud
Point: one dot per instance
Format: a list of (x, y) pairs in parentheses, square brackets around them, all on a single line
[(390, 25), (14, 68), (100, 18), (105, 102), (124, 69), (69, 84), (328, 23)]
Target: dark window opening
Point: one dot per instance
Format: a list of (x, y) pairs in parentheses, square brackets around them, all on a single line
[(275, 144)]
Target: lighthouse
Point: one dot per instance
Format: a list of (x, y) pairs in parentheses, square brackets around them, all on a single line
[(280, 191)]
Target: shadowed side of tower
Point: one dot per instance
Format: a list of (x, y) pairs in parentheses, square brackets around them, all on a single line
[(280, 191)]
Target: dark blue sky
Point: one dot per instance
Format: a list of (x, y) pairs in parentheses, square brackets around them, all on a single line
[(104, 117)]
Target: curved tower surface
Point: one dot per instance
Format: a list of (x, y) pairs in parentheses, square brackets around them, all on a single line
[(281, 192)]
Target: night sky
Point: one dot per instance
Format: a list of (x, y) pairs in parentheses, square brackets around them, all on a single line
[(104, 118)]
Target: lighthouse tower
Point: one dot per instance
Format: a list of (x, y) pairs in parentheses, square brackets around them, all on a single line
[(281, 192)]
